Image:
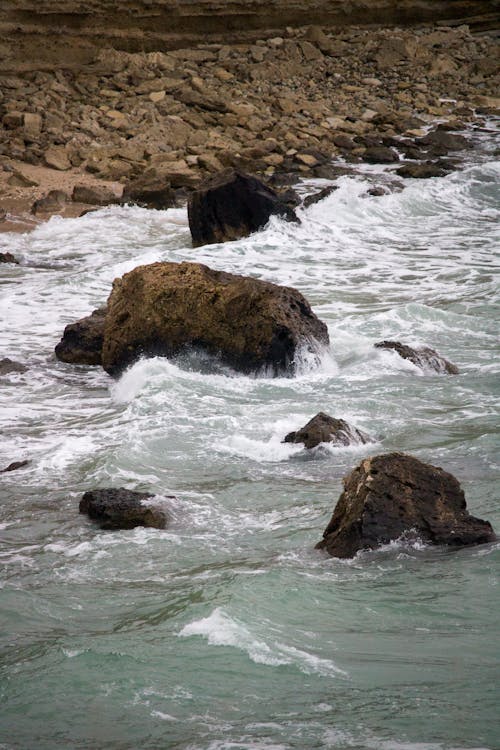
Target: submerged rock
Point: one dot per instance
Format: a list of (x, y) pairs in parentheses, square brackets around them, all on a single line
[(389, 495), (8, 258), (423, 356), (164, 309), (14, 466), (9, 365), (121, 509), (232, 205), (321, 195), (81, 343), (325, 429)]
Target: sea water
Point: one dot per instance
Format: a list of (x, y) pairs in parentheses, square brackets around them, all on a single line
[(228, 630)]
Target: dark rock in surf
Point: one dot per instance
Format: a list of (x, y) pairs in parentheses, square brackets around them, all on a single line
[(439, 142), (317, 197), (325, 429), (14, 466), (8, 258), (232, 205), (164, 309), (391, 495), (423, 357), (82, 341), (150, 190), (9, 365), (380, 155), (121, 509), (422, 171)]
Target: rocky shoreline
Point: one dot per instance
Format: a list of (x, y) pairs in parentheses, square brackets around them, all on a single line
[(306, 104)]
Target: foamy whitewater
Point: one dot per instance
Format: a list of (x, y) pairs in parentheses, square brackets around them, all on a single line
[(228, 631)]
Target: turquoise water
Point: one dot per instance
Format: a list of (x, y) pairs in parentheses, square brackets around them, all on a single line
[(228, 631)]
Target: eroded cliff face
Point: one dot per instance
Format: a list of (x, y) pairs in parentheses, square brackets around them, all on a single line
[(69, 30)]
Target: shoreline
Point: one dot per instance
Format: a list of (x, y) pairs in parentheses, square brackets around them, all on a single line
[(282, 108)]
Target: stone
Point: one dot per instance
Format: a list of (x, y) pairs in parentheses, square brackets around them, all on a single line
[(53, 201), (325, 429), (8, 258), (380, 155), (121, 509), (441, 141), (394, 495), (57, 158), (422, 171), (230, 206), (423, 357), (94, 195), (319, 196), (81, 343), (18, 179), (150, 191), (9, 365), (14, 466), (165, 309), (32, 124)]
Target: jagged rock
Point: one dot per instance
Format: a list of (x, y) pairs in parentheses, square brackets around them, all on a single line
[(150, 191), (121, 509), (391, 495), (81, 343), (325, 429), (163, 309), (232, 205), (9, 365), (423, 356), (53, 201), (14, 466), (95, 195), (321, 195), (8, 258)]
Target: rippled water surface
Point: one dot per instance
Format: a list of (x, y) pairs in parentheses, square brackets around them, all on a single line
[(228, 630)]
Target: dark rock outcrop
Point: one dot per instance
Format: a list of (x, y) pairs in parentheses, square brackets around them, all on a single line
[(389, 495), (232, 205), (149, 191), (423, 357), (440, 141), (81, 343), (325, 429), (422, 171), (121, 509), (9, 365), (164, 309), (380, 155), (14, 466), (8, 258), (321, 195)]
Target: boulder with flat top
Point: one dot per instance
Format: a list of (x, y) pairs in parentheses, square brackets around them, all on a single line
[(166, 309), (390, 496), (121, 509)]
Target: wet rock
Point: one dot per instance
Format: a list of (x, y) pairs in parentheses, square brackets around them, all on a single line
[(82, 341), (391, 495), (232, 205), (441, 141), (53, 201), (9, 365), (423, 356), (14, 466), (121, 509), (95, 195), (8, 258), (380, 155), (321, 195), (164, 309), (150, 191), (422, 171), (325, 429)]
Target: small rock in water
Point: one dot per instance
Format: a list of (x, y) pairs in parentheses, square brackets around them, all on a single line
[(81, 343), (121, 509), (423, 357), (321, 195), (232, 205), (14, 466), (9, 365), (8, 258), (325, 429), (394, 494)]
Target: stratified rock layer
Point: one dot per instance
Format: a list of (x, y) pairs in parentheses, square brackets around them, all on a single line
[(389, 495), (166, 308), (121, 509)]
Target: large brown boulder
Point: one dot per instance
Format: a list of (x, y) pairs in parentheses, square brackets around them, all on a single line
[(81, 343), (389, 495), (164, 309), (325, 429), (121, 509), (422, 356), (232, 205)]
